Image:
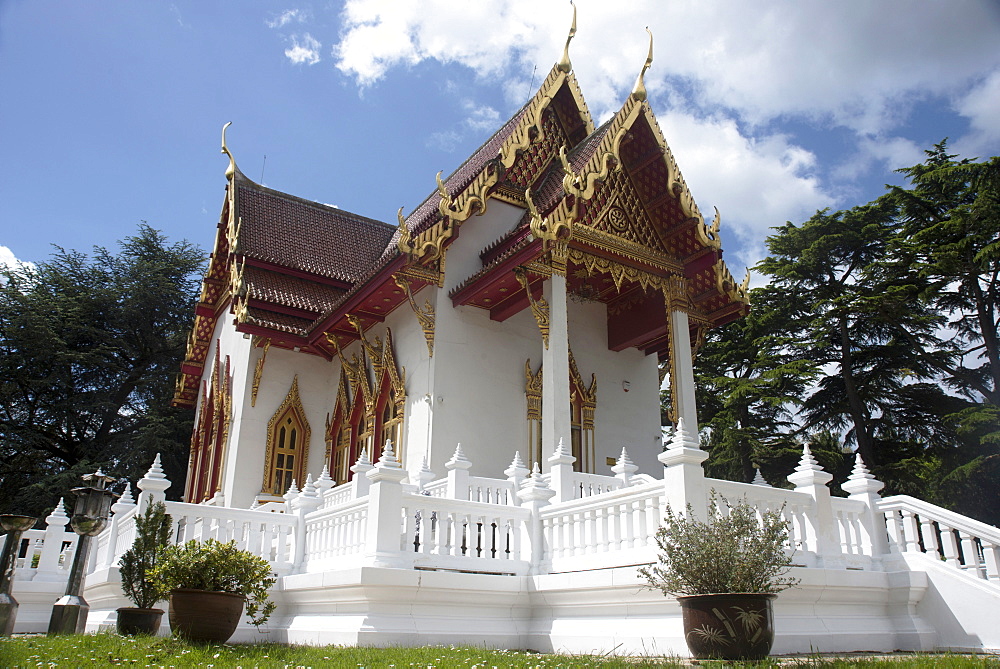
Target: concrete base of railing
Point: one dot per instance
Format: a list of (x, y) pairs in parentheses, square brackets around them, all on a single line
[(600, 611)]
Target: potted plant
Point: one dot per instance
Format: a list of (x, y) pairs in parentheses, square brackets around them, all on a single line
[(724, 573), (152, 534), (208, 583)]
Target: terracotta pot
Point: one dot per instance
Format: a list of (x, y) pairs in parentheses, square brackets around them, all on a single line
[(736, 626), (132, 621), (204, 615)]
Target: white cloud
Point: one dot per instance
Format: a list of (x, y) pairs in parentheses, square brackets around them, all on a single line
[(756, 184), (981, 106), (304, 51), (8, 259), (286, 17)]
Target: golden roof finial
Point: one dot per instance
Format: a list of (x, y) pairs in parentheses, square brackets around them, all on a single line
[(564, 63), (231, 170), (405, 241), (639, 90)]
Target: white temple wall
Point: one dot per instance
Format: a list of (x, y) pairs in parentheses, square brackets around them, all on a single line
[(623, 418)]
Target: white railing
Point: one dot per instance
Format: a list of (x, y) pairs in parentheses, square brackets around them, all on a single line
[(916, 526), (588, 485), (332, 535), (33, 555), (796, 507), (437, 489), (337, 496), (270, 535), (463, 535), (616, 528), (855, 543), (491, 491)]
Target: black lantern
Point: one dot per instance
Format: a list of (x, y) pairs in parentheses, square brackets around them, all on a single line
[(90, 516), (13, 526)]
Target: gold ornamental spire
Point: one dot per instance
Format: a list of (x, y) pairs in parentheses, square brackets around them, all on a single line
[(564, 64), (639, 90), (231, 170)]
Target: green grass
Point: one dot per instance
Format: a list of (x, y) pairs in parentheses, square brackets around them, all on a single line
[(112, 650)]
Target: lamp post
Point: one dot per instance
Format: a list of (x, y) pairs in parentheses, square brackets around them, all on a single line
[(90, 516), (13, 526)]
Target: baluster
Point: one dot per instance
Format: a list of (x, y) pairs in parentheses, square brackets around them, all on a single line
[(592, 531), (642, 532), (970, 551), (950, 546), (894, 528), (602, 529), (629, 522), (910, 535), (859, 539), (929, 533), (991, 560), (410, 532)]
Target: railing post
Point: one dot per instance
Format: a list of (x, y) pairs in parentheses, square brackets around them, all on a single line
[(124, 504), (359, 482), (55, 532), (624, 469), (561, 472), (424, 475), (458, 475), (991, 556), (516, 474), (385, 504), (864, 487), (306, 502), (324, 483), (810, 478), (683, 475), (153, 485), (534, 495)]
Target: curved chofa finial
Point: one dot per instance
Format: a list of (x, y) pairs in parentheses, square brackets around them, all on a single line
[(564, 64), (405, 241), (231, 170), (639, 90)]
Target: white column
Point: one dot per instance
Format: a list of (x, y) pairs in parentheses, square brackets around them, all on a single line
[(555, 368), (861, 485), (810, 478), (682, 369), (385, 503)]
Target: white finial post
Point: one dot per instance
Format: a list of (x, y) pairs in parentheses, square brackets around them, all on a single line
[(153, 485), (822, 535), (683, 475), (534, 494), (385, 503), (624, 469), (424, 475), (516, 473), (458, 474), (360, 469), (55, 532), (324, 482), (561, 471), (863, 486)]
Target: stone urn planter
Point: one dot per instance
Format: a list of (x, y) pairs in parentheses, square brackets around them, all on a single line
[(208, 583), (132, 621), (730, 626), (725, 573), (205, 615)]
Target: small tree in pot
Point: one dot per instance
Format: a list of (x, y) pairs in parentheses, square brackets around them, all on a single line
[(208, 583), (152, 535), (725, 573)]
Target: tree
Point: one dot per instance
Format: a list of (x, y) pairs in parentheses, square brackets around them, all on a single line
[(89, 347), (750, 376)]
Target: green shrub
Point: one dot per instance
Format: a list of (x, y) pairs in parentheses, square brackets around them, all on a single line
[(734, 552), (218, 566), (152, 534)]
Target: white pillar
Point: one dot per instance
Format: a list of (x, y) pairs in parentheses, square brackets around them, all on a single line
[(861, 485), (55, 531), (555, 367), (153, 485), (534, 494), (810, 478), (458, 475), (682, 370), (683, 475), (561, 472), (385, 503)]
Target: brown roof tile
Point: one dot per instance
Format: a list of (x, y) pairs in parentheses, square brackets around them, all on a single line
[(306, 236), (290, 291)]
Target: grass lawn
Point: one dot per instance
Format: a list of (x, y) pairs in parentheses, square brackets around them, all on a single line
[(112, 650)]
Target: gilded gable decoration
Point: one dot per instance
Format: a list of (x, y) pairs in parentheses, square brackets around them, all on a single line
[(539, 307), (425, 315), (258, 370), (287, 444), (211, 432), (639, 90)]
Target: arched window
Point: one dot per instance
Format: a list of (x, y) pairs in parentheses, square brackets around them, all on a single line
[(583, 402), (287, 445)]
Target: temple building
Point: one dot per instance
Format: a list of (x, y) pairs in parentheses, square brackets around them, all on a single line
[(542, 292)]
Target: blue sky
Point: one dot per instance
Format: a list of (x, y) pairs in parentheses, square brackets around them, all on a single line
[(111, 112)]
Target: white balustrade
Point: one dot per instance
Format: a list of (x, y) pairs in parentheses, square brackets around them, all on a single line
[(588, 485), (336, 496), (333, 534), (459, 534), (916, 526), (491, 491), (615, 528)]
